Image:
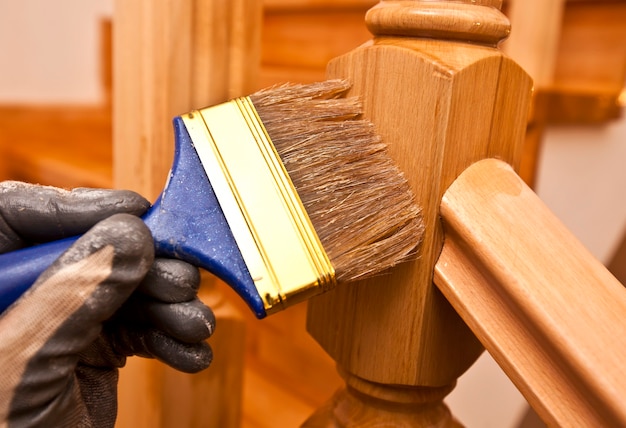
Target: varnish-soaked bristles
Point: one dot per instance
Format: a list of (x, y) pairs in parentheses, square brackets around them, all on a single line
[(359, 202)]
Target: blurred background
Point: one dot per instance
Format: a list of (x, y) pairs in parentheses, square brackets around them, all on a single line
[(55, 128)]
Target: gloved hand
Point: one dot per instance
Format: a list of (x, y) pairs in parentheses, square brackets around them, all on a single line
[(106, 298)]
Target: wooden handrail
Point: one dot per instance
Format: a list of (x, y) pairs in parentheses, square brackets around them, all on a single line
[(548, 312)]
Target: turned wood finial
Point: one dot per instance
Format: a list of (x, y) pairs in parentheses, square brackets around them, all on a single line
[(364, 403), (475, 21)]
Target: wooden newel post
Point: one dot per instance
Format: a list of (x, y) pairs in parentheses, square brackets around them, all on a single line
[(443, 97)]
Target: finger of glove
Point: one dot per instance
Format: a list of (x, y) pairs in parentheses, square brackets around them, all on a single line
[(42, 334), (171, 281), (186, 357), (188, 322), (33, 213)]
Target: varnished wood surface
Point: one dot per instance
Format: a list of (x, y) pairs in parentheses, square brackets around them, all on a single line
[(580, 70), (61, 146), (440, 104), (550, 314), (434, 103), (534, 41), (299, 38), (590, 67), (169, 58), (69, 157)]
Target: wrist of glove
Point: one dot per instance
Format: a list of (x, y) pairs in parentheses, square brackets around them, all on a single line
[(104, 299)]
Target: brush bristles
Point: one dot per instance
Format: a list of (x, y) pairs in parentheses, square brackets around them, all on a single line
[(359, 202)]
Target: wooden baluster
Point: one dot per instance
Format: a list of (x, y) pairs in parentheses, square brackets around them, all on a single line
[(211, 398), (443, 97), (171, 57), (534, 45)]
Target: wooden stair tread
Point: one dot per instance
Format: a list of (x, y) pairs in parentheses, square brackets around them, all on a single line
[(60, 146)]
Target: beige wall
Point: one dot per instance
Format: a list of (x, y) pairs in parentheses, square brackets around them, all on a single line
[(49, 51), (582, 178)]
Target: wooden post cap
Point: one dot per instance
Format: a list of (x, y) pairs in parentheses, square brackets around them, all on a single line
[(476, 21)]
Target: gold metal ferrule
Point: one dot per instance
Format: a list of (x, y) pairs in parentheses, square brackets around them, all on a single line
[(271, 227)]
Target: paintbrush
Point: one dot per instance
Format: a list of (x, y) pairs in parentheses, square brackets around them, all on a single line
[(281, 194)]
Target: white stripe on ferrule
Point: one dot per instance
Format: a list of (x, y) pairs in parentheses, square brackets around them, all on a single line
[(271, 227)]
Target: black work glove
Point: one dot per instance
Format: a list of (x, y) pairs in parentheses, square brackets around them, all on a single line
[(104, 299)]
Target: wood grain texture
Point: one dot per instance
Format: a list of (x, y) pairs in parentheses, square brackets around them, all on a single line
[(178, 57), (441, 105), (298, 40), (147, 93), (463, 21), (171, 57), (369, 404), (212, 398), (576, 53), (534, 43), (591, 64), (592, 49), (70, 146), (550, 314)]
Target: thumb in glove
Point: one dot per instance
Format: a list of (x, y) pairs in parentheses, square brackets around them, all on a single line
[(62, 342), (43, 333)]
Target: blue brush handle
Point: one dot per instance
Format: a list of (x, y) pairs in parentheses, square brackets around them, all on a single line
[(19, 269), (186, 222)]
